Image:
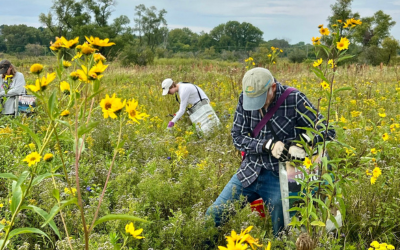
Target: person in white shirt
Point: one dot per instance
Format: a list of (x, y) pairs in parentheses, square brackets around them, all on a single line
[(13, 90), (188, 93)]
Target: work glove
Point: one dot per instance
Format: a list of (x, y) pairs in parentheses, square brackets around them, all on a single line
[(170, 125), (296, 150), (277, 149)]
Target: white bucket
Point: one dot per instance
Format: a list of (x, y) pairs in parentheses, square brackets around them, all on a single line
[(202, 115)]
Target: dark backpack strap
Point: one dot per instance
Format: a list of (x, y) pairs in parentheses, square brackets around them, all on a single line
[(271, 112)]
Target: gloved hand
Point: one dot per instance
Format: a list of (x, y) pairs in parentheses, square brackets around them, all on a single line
[(277, 149), (170, 125), (296, 150)]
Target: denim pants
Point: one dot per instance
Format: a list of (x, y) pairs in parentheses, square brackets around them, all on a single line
[(266, 186)]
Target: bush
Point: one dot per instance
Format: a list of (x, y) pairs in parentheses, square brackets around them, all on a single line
[(297, 56), (134, 54)]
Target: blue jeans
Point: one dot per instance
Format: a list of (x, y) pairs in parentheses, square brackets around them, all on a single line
[(266, 186)]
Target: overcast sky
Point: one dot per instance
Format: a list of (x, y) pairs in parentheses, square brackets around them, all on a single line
[(293, 20)]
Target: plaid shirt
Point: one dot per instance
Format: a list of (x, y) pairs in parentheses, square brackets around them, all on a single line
[(284, 122)]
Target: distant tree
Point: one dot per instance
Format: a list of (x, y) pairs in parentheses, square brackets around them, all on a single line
[(278, 43), (14, 38), (101, 9), (178, 39), (374, 30), (64, 16), (150, 25), (341, 10), (390, 47)]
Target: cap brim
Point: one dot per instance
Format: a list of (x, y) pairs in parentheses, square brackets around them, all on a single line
[(165, 91), (254, 103), (3, 71)]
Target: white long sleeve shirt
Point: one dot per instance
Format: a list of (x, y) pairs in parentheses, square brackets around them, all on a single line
[(188, 95), (16, 88)]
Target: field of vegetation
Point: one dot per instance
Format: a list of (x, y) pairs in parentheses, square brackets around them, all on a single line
[(55, 163)]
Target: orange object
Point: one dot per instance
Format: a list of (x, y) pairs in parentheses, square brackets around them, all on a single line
[(258, 205)]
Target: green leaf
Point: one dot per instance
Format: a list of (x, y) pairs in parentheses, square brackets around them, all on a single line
[(344, 58), (40, 178), (81, 144), (16, 196), (8, 176), (52, 104), (57, 208), (320, 74), (341, 89), (328, 178), (44, 215), (30, 132), (56, 194), (118, 217), (83, 129), (317, 223), (26, 230)]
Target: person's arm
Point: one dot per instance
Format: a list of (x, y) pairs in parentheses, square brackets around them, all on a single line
[(302, 102), (18, 86), (182, 107), (241, 131)]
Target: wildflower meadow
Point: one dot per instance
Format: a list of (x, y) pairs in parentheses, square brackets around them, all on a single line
[(93, 166)]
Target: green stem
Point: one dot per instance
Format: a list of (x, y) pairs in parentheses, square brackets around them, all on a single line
[(108, 175)]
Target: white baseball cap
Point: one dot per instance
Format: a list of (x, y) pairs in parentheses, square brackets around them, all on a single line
[(166, 84), (256, 83)]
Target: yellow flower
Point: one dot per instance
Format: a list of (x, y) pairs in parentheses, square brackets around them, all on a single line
[(254, 63), (130, 228), (65, 88), (85, 76), (316, 40), (339, 21), (385, 136), (355, 113), (48, 157), (32, 158), (78, 55), (98, 42), (69, 44), (383, 115), (98, 69), (32, 146), (324, 31), (99, 57), (74, 75), (110, 106), (133, 113), (375, 244), (342, 44), (36, 68), (57, 44), (1, 205), (281, 51), (376, 172), (373, 180), (325, 85), (65, 113), (354, 21), (269, 55), (320, 26), (330, 62), (268, 247), (41, 84), (68, 191), (86, 49), (67, 64), (317, 63), (307, 162), (373, 151), (367, 172)]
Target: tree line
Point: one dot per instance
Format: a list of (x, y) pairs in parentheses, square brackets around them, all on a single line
[(149, 36)]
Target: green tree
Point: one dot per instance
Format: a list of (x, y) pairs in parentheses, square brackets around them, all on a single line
[(374, 30), (150, 25), (180, 39), (341, 10), (390, 47), (101, 9)]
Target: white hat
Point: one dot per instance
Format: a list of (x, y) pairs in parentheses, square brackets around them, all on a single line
[(256, 83), (166, 84)]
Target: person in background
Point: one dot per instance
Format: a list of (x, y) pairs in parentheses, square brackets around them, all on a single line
[(10, 89), (188, 93), (258, 174)]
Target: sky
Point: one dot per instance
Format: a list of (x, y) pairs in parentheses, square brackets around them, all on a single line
[(293, 20)]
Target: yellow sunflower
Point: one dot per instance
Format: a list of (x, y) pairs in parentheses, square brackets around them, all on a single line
[(46, 80), (74, 75), (317, 63), (57, 44), (111, 106), (316, 40), (133, 113), (65, 113), (32, 158), (87, 49), (71, 43), (99, 68), (65, 88), (343, 43), (67, 64), (36, 68), (324, 31), (99, 57), (130, 228), (48, 157), (95, 41)]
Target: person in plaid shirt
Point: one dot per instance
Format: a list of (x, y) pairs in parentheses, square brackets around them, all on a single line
[(258, 175)]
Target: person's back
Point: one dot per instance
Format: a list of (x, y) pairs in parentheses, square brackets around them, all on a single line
[(191, 91), (16, 88)]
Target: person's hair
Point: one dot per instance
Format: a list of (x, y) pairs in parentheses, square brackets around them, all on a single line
[(13, 71), (173, 85)]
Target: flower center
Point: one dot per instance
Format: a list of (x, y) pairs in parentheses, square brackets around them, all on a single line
[(108, 106), (132, 113)]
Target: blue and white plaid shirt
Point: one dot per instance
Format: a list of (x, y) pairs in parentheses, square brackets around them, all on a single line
[(284, 122)]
